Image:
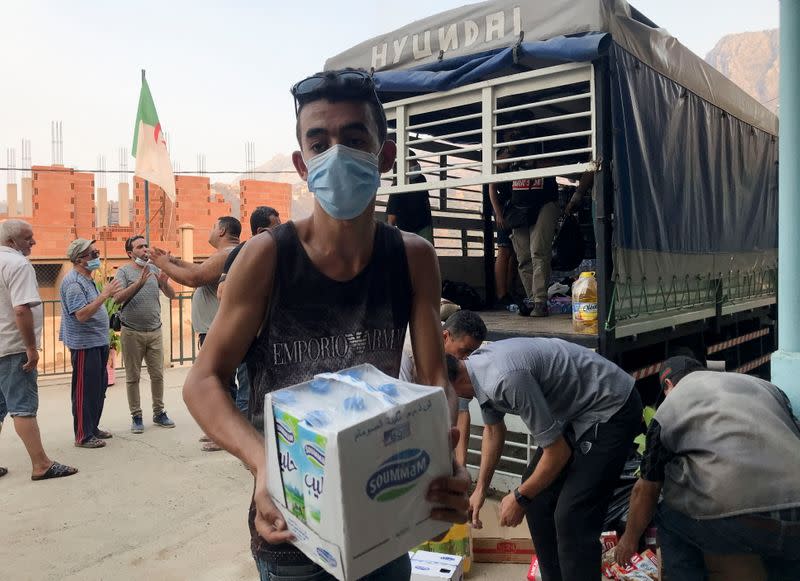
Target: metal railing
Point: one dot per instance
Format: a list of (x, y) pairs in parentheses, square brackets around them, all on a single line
[(55, 356), (182, 338)]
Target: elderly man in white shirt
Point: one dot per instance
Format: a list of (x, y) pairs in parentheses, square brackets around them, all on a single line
[(20, 332)]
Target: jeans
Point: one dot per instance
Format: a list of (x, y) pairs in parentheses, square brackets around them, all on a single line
[(685, 540), (18, 389), (565, 520), (397, 570)]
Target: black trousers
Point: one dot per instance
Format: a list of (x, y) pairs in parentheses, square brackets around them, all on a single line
[(566, 519), (89, 384)]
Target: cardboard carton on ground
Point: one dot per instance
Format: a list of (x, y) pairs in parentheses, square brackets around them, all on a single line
[(497, 544), (429, 566), (369, 446)]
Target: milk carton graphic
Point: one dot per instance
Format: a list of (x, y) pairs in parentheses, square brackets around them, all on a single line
[(313, 444), (367, 447), (290, 454)]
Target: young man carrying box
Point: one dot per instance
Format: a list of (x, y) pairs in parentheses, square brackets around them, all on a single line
[(328, 292)]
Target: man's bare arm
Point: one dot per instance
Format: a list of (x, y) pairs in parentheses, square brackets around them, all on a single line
[(554, 458), (23, 317), (188, 274), (87, 312), (426, 326), (166, 288), (130, 291), (644, 500)]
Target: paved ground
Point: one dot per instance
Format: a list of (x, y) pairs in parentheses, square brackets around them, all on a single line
[(146, 507)]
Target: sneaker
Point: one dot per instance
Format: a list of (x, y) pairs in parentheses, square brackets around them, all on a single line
[(163, 420), (91, 443), (524, 309), (137, 426), (540, 310)]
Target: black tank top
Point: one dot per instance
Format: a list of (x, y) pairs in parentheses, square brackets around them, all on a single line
[(316, 324)]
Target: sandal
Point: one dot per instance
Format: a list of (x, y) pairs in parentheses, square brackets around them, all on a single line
[(204, 438), (56, 470), (91, 443), (3, 471), (210, 447)]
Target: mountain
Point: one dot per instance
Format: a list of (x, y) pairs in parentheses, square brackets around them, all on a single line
[(750, 59), (279, 168)]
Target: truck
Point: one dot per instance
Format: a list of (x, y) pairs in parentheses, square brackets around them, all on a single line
[(681, 228)]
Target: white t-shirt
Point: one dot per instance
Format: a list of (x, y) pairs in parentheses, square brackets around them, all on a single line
[(17, 287)]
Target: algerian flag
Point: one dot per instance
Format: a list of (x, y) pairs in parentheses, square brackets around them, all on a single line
[(149, 146)]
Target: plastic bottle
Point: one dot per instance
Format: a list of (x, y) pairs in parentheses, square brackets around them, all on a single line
[(584, 304)]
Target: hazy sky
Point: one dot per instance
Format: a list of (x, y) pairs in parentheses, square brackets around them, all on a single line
[(219, 72)]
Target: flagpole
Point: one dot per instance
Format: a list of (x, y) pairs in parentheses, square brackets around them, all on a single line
[(146, 201), (147, 212)]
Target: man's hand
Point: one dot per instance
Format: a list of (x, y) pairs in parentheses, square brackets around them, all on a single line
[(475, 504), (110, 289), (162, 278), (500, 221), (451, 491), (33, 359), (269, 521), (625, 549), (159, 257), (511, 513), (144, 276)]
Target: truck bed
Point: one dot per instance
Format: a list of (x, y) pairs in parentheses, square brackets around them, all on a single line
[(505, 325)]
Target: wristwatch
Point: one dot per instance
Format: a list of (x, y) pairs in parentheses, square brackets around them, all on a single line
[(521, 499)]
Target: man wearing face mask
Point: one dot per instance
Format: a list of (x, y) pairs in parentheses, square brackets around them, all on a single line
[(84, 329), (322, 281), (204, 277), (141, 329), (411, 212)]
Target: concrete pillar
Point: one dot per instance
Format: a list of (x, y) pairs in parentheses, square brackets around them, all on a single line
[(166, 329), (27, 197), (124, 207), (102, 207), (11, 200), (786, 361), (187, 242)]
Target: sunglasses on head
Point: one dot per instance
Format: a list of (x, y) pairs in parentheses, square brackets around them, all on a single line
[(341, 84)]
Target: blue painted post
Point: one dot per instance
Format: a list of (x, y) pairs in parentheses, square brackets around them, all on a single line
[(786, 361)]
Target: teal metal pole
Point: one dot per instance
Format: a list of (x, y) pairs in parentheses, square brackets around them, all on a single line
[(786, 361)]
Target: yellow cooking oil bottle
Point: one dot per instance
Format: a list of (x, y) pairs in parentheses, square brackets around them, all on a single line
[(584, 304)]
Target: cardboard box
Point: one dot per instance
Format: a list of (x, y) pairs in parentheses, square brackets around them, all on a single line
[(362, 504), (494, 550), (427, 565), (498, 544)]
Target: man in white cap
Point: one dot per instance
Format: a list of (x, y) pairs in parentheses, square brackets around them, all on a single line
[(84, 329)]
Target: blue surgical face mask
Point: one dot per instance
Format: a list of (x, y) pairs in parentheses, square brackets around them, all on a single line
[(344, 180), (93, 264)]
